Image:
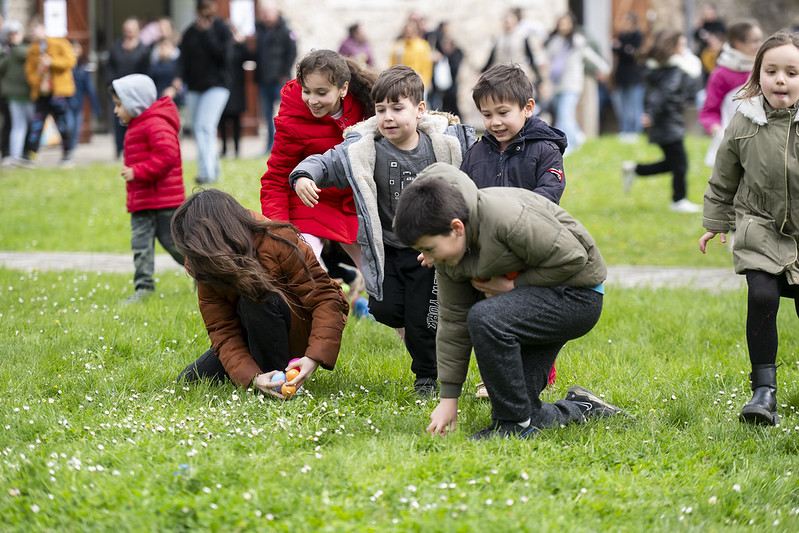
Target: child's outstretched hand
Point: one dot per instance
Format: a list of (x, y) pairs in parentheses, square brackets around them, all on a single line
[(306, 366), (443, 417), (264, 383), (307, 190), (707, 236), (127, 173)]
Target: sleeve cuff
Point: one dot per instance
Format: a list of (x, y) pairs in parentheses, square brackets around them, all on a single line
[(294, 176), (451, 390)]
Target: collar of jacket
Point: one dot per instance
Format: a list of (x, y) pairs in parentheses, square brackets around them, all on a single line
[(755, 110)]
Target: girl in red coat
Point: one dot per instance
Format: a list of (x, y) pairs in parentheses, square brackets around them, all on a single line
[(329, 94), (152, 171)]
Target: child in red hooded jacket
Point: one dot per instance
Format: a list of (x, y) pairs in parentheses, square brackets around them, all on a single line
[(152, 171)]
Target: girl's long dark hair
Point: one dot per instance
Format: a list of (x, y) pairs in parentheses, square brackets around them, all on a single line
[(570, 37), (215, 234), (340, 70)]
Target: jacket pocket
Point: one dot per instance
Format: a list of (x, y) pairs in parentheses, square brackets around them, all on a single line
[(761, 246)]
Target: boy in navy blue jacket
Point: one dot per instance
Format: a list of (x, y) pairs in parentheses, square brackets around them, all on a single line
[(517, 149)]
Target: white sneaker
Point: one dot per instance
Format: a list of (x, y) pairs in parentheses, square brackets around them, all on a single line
[(684, 206), (628, 175), (21, 162)]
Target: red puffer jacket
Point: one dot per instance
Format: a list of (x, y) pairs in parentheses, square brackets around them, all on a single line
[(152, 149), (299, 134)]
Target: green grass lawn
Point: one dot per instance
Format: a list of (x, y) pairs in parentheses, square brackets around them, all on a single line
[(98, 436), (83, 209)]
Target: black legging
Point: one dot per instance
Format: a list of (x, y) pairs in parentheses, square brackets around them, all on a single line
[(763, 303), (675, 160), (235, 125), (266, 332)]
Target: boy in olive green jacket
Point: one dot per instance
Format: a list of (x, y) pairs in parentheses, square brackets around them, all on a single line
[(518, 277)]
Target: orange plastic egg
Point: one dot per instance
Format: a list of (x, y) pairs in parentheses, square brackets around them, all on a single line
[(288, 390), (292, 373)]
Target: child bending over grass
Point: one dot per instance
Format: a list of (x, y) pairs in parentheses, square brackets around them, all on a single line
[(263, 295), (478, 239)]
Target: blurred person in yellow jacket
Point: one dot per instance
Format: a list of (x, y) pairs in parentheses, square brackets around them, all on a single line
[(48, 68)]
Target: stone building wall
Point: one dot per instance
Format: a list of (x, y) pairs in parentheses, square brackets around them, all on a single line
[(474, 24)]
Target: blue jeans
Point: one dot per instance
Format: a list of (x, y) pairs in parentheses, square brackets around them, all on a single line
[(629, 103), (50, 105), (206, 109), (21, 118), (566, 118), (270, 96), (74, 124)]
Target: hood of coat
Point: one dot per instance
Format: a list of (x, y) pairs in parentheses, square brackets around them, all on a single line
[(755, 110), (164, 107), (688, 63), (457, 178), (136, 92), (431, 122), (534, 130)]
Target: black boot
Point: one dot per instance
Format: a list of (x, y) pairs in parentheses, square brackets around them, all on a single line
[(762, 408)]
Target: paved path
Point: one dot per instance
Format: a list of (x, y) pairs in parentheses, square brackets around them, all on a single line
[(101, 150), (712, 279)]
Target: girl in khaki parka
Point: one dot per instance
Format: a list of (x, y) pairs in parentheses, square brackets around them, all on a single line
[(756, 174)]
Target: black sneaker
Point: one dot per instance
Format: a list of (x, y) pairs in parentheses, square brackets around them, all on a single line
[(505, 430), (425, 387), (593, 405)]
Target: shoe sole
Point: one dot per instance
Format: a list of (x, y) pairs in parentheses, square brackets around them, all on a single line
[(577, 393), (759, 417)]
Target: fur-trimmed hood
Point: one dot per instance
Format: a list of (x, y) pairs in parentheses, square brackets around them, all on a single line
[(755, 110), (688, 63), (352, 164)]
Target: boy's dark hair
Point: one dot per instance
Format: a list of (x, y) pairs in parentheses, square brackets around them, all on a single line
[(398, 82), (503, 83), (752, 86), (427, 207)]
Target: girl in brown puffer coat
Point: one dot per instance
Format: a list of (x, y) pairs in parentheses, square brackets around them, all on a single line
[(263, 296)]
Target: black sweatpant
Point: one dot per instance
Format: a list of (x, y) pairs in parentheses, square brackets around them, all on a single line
[(763, 302), (235, 126), (410, 302), (266, 332), (517, 336), (675, 160)]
